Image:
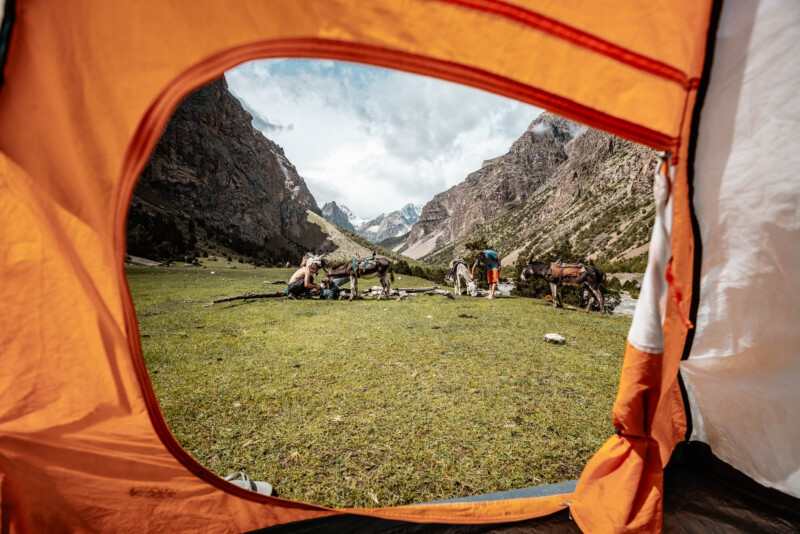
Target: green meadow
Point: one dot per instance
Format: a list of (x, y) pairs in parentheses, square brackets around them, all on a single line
[(375, 403)]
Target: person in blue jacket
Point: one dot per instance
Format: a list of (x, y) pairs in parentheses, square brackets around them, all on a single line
[(491, 260)]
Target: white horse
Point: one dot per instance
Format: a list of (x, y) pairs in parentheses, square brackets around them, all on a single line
[(459, 270)]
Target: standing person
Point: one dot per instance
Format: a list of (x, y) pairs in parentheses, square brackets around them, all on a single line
[(491, 260), (302, 281)]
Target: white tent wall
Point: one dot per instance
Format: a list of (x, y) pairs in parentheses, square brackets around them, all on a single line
[(743, 371)]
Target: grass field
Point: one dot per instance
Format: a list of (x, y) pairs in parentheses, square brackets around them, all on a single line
[(375, 402)]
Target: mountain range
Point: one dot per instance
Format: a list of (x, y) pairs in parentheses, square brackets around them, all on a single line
[(381, 228), (214, 182)]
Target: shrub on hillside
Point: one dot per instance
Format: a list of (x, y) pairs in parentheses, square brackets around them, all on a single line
[(476, 245), (435, 274), (637, 264), (155, 236), (165, 251), (417, 271), (401, 267), (535, 289), (632, 287)]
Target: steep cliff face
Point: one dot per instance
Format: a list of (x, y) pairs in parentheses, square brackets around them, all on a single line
[(213, 167), (559, 181), (600, 201), (499, 185), (338, 216)]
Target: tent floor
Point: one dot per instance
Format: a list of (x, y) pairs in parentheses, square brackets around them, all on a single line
[(702, 494)]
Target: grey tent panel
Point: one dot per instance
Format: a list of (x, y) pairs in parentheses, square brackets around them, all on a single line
[(535, 491)]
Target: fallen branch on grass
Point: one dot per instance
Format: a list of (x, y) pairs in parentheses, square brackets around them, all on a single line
[(345, 293), (248, 296), (416, 289)]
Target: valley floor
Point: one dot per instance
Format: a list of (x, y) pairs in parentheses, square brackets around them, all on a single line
[(375, 402)]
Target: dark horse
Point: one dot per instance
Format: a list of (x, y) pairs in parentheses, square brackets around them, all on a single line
[(574, 275), (363, 268)]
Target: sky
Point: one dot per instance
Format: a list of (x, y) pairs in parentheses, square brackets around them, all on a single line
[(375, 139)]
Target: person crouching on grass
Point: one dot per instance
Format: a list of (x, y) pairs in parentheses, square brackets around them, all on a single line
[(491, 260), (302, 281)]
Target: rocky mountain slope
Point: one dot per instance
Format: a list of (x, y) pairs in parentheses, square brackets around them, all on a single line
[(339, 246), (216, 178), (499, 185), (211, 166), (558, 181), (340, 216), (343, 245), (395, 243)]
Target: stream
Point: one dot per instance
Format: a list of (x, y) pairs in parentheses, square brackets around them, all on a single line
[(626, 306)]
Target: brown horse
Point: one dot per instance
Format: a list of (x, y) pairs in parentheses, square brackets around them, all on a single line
[(574, 275), (363, 268)]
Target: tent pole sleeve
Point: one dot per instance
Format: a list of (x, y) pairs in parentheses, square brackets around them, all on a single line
[(697, 262)]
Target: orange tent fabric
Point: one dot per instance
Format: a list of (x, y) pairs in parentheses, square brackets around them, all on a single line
[(89, 87)]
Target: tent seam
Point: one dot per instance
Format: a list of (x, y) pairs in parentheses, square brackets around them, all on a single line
[(697, 259), (578, 37), (690, 171)]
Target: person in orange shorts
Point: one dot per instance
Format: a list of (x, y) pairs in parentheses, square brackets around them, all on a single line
[(491, 260)]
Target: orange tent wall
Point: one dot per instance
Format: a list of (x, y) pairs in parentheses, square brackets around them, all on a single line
[(89, 88)]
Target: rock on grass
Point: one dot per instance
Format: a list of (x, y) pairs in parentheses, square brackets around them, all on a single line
[(555, 338)]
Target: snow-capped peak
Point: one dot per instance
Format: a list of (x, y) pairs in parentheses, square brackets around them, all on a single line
[(352, 217), (411, 211)]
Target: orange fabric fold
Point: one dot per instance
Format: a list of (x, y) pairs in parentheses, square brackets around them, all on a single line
[(622, 483), (620, 489)]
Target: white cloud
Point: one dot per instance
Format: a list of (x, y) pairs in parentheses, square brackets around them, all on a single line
[(375, 139)]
